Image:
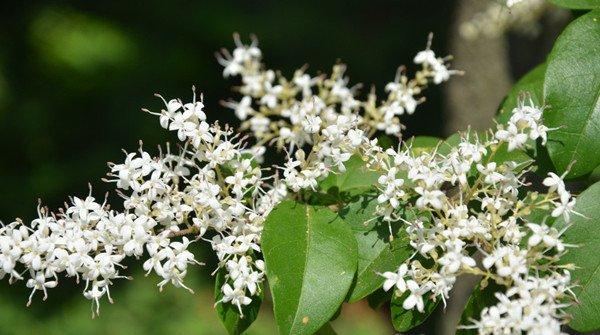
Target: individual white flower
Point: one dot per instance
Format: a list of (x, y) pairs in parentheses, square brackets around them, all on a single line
[(241, 109), (425, 57), (95, 293), (554, 183), (454, 259), (433, 198), (565, 207), (415, 298), (39, 283), (182, 124), (356, 137), (542, 233), (441, 73), (511, 134), (395, 279), (304, 82), (236, 296)]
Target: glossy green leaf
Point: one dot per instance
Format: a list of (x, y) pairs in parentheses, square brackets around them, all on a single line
[(356, 179), (572, 91), (531, 83), (577, 4), (311, 259), (404, 320), (585, 233), (376, 254), (229, 314), (479, 299)]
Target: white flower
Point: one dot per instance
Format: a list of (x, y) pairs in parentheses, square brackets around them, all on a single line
[(95, 293), (434, 198), (542, 233), (441, 73), (453, 259), (39, 283), (241, 109), (554, 183), (395, 279), (304, 82), (415, 298), (425, 57), (509, 262), (564, 207), (182, 124), (356, 137), (236, 296), (515, 139)]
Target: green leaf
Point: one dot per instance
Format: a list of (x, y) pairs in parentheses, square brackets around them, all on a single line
[(376, 254), (386, 141), (404, 320), (378, 298), (326, 330), (449, 143), (502, 155), (532, 83), (585, 233), (577, 4), (311, 259), (229, 314), (422, 143), (572, 91), (595, 175), (332, 197), (480, 298), (356, 179)]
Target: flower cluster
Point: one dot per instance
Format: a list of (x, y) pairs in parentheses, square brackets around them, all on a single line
[(532, 306), (467, 215), (213, 185), (87, 241), (220, 189), (289, 112), (525, 124)]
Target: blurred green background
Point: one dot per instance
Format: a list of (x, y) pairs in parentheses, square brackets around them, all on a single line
[(74, 75)]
